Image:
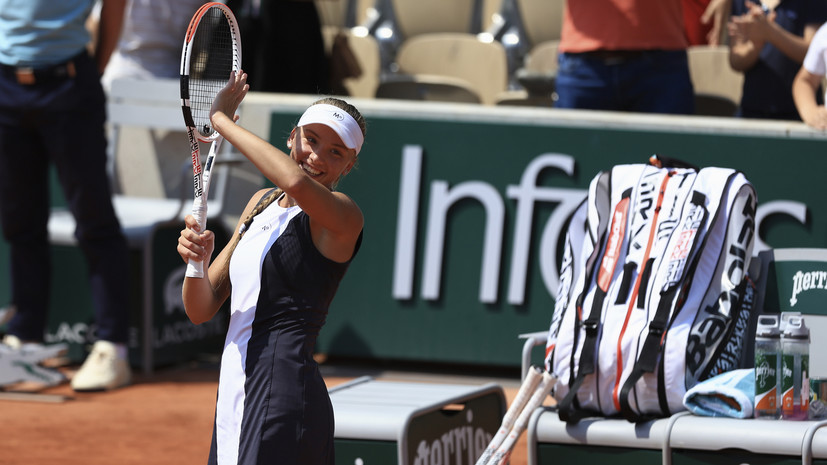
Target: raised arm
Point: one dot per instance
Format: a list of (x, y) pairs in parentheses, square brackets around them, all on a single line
[(751, 31), (335, 217), (717, 13), (746, 37)]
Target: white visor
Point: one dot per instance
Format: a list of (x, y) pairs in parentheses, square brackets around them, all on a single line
[(337, 119)]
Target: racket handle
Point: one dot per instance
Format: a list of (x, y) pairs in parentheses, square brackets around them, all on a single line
[(529, 385), (195, 269), (542, 391)]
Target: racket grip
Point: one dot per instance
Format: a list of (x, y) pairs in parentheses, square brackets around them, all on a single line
[(195, 269)]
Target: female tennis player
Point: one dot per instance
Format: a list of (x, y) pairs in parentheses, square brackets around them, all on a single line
[(281, 270)]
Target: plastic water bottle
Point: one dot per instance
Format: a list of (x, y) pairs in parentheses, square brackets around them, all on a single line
[(795, 369), (768, 368)]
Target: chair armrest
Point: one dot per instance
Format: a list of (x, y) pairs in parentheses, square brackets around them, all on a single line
[(532, 340)]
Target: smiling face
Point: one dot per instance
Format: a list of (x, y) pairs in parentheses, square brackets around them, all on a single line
[(320, 152)]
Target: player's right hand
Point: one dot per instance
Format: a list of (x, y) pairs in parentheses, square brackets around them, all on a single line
[(193, 244)]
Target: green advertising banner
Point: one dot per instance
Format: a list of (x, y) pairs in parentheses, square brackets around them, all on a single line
[(465, 211), (465, 207), (797, 281)]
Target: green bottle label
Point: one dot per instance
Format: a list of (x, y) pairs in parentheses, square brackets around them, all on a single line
[(766, 375)]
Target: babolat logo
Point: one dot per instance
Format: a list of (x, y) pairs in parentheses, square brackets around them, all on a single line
[(806, 281)]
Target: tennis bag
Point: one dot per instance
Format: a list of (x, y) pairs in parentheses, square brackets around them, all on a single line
[(653, 295)]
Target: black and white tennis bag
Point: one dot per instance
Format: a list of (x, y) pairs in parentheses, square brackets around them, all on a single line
[(653, 294)]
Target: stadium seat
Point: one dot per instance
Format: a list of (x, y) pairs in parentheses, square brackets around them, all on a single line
[(366, 50), (537, 78), (455, 55), (415, 17), (521, 98), (490, 13), (337, 15), (400, 20), (429, 88), (522, 26), (542, 20), (717, 86), (354, 19), (534, 61)]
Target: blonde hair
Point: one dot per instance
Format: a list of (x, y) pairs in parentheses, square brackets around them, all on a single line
[(272, 196)]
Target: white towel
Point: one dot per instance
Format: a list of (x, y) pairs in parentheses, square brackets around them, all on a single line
[(729, 394)]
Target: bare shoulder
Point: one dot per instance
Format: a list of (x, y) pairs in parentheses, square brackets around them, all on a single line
[(354, 217)]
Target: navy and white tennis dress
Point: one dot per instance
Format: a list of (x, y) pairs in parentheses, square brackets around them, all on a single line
[(273, 406)]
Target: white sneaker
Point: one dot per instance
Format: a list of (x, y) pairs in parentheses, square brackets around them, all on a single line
[(13, 342), (102, 370)]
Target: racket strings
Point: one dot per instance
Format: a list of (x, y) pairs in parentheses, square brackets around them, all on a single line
[(211, 62)]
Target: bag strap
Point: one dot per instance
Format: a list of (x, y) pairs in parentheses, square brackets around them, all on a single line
[(662, 161), (614, 237), (684, 252)]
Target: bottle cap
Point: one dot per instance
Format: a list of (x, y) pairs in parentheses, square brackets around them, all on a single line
[(796, 329), (768, 326)]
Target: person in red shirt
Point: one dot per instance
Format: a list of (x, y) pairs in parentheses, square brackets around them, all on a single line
[(624, 55)]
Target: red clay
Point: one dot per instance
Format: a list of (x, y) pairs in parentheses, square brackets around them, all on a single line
[(164, 418)]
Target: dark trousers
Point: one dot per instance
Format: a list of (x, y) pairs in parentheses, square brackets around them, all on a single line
[(59, 120), (653, 81)]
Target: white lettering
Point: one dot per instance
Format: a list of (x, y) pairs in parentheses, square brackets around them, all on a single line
[(75, 333), (807, 281), (458, 446), (441, 201), (436, 453), (181, 332), (406, 222), (526, 194)]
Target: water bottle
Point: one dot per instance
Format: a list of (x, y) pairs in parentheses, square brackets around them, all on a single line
[(795, 369), (767, 368)]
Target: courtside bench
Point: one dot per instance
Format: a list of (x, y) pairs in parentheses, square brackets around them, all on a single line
[(407, 423), (788, 281), (683, 439)]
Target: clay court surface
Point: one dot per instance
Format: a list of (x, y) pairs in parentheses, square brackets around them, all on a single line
[(162, 418)]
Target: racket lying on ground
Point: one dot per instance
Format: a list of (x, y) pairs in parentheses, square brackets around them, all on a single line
[(212, 49)]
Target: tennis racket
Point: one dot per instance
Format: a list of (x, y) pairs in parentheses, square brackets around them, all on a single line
[(527, 389), (212, 49), (541, 392)]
